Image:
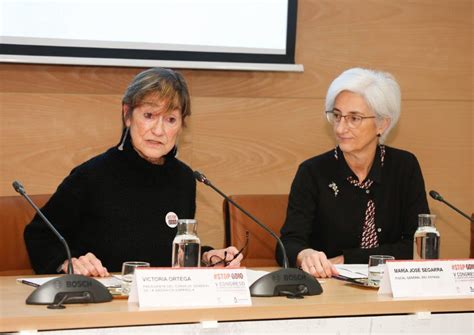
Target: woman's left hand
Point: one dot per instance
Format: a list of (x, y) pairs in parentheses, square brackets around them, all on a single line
[(216, 256)]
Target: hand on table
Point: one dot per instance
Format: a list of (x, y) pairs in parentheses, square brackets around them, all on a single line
[(317, 264), (87, 265)]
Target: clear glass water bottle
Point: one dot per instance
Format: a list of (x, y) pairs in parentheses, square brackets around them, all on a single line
[(186, 245), (426, 240)]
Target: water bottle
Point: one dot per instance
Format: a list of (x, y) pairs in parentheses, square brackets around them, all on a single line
[(426, 240), (186, 245)]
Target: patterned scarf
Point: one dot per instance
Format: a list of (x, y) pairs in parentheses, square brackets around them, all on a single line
[(369, 235)]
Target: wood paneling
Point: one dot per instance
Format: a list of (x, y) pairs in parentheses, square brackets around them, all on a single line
[(43, 136), (250, 130)]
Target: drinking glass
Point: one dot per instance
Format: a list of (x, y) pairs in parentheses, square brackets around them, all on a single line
[(426, 241), (376, 268), (128, 269)]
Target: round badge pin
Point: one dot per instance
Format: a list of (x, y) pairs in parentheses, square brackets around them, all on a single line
[(171, 219)]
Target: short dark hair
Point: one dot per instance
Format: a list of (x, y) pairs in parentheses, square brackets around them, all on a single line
[(166, 84)]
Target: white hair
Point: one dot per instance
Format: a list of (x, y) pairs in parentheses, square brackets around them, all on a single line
[(379, 89)]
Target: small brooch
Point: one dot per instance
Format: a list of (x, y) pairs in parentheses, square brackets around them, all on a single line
[(334, 188)]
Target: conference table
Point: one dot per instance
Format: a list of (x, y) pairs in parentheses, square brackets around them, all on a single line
[(340, 307)]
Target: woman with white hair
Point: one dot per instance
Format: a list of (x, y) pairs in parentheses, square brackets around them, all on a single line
[(361, 198)]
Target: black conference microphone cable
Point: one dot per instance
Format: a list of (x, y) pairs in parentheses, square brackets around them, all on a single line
[(290, 282), (435, 195), (68, 288)]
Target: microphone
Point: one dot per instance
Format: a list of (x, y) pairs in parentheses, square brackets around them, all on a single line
[(291, 282), (435, 195), (69, 288), (20, 189)]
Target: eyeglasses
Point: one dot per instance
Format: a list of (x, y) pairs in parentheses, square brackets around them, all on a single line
[(352, 120), (217, 260)]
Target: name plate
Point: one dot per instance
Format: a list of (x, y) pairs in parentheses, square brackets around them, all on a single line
[(190, 287), (428, 278)]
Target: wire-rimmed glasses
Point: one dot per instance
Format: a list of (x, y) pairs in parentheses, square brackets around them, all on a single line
[(215, 260), (352, 120)]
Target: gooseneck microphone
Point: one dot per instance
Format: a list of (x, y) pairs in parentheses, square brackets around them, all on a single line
[(20, 189), (435, 195), (202, 178), (290, 282), (69, 288)]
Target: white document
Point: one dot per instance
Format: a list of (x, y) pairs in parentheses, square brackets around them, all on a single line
[(353, 271)]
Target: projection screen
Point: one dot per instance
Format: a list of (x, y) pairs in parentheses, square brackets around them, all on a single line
[(208, 34)]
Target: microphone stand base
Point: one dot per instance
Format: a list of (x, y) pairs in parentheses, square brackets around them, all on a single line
[(290, 282), (69, 289)]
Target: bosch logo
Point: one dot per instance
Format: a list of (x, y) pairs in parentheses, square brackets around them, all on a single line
[(294, 277), (78, 283)]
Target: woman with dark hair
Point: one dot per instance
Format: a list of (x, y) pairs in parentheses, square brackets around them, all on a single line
[(112, 208)]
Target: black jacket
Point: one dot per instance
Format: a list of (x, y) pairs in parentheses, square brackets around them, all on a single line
[(320, 219)]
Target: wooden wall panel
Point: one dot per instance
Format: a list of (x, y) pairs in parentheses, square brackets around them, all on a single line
[(250, 130), (43, 136), (59, 79), (251, 146)]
